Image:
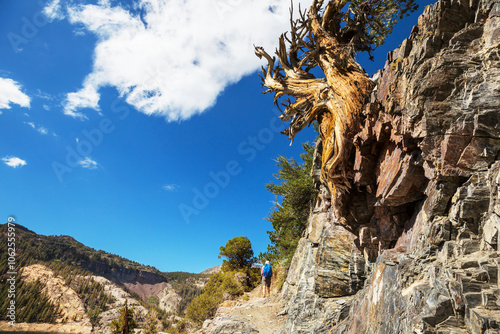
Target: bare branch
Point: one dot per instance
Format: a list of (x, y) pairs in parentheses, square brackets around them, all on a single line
[(334, 101)]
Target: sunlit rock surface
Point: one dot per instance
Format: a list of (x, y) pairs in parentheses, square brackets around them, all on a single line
[(413, 247)]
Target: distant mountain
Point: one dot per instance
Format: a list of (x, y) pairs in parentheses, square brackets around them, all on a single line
[(212, 270), (98, 282), (35, 247), (216, 269)]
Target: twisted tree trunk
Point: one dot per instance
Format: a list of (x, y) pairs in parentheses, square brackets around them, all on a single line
[(335, 101)]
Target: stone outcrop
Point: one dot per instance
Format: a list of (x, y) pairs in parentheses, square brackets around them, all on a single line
[(168, 299), (413, 246), (71, 306), (119, 297), (73, 317)]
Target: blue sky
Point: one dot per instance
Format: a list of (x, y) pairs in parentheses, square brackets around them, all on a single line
[(140, 131)]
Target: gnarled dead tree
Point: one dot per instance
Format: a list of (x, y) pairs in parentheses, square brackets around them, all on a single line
[(329, 38)]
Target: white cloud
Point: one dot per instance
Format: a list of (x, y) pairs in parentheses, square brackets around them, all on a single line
[(10, 92), (88, 97), (173, 57), (53, 10), (32, 124), (13, 162), (170, 187), (88, 163)]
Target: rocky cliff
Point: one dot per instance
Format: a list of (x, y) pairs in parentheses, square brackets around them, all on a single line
[(413, 246), (71, 306), (119, 298)]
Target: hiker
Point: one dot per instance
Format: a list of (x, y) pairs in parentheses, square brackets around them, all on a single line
[(266, 273)]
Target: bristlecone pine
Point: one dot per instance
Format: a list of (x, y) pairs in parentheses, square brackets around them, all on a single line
[(335, 101)]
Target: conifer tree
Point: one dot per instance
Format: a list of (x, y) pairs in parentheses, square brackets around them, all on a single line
[(125, 323), (327, 37), (238, 253), (294, 193)]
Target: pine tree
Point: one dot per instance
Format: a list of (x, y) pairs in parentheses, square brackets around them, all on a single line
[(296, 192), (125, 323), (238, 253)]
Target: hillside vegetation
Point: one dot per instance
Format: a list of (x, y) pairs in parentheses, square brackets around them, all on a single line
[(74, 262)]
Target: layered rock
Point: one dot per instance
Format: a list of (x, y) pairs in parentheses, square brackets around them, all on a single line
[(413, 247)]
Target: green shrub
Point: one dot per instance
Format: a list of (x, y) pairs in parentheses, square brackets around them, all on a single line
[(224, 283), (153, 300), (203, 307), (220, 286)]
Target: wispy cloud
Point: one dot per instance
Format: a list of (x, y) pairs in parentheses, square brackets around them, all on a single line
[(10, 92), (41, 94), (171, 57), (88, 163), (170, 187), (40, 128), (14, 162)]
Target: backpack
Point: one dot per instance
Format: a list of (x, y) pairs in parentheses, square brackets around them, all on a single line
[(268, 271)]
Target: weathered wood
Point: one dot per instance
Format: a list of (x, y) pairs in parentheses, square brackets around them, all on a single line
[(335, 101)]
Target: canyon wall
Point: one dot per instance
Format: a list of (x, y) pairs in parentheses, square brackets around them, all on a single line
[(413, 246)]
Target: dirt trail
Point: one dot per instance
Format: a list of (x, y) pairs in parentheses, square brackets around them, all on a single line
[(255, 315)]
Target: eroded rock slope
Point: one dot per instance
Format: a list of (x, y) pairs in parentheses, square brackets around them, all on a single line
[(413, 247)]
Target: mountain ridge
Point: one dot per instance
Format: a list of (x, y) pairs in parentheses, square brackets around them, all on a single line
[(99, 256), (48, 265)]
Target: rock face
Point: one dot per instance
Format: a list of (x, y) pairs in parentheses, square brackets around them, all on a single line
[(72, 307), (168, 299), (413, 247), (74, 318), (119, 296)]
